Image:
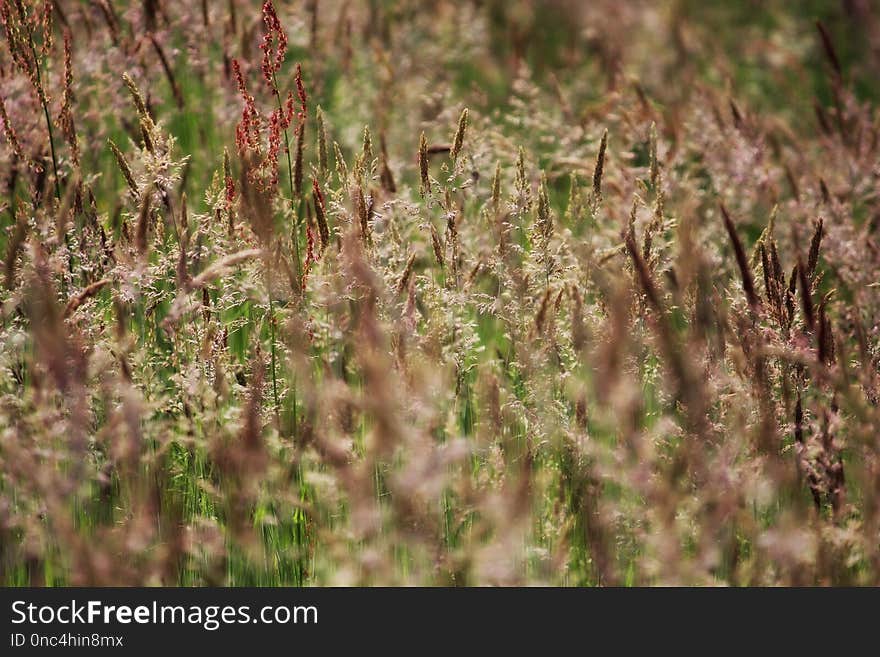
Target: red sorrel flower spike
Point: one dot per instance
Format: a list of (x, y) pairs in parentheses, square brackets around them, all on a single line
[(247, 134), (301, 92), (289, 110), (274, 35), (230, 192), (275, 129), (239, 79)]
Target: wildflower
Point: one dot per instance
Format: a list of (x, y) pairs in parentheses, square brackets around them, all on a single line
[(273, 46)]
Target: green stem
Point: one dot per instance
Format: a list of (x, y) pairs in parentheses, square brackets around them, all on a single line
[(52, 150), (42, 94), (272, 348), (294, 194), (296, 205)]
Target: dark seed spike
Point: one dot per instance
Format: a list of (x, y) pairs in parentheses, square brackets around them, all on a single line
[(826, 195), (825, 337), (806, 297), (423, 165), (799, 420), (822, 118), (815, 243), (777, 266), (828, 46), (600, 165), (741, 260), (769, 281), (642, 270), (386, 177), (790, 294), (792, 279)]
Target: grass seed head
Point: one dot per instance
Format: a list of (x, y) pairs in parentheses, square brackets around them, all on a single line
[(124, 168), (423, 165), (458, 138), (600, 166), (323, 156)]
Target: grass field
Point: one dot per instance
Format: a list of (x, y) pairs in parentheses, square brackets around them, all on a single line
[(389, 292)]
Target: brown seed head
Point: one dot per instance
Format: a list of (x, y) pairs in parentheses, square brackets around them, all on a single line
[(458, 139)]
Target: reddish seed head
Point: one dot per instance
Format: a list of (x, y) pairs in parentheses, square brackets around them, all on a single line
[(239, 78), (66, 118), (301, 92), (230, 192), (276, 128), (247, 133), (9, 131), (316, 190), (289, 110), (273, 45)]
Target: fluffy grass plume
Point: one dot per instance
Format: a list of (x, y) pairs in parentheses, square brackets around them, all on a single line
[(453, 293)]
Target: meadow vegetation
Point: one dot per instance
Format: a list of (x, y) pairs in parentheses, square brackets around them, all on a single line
[(391, 292)]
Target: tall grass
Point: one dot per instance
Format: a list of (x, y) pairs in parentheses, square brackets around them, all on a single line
[(477, 293)]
